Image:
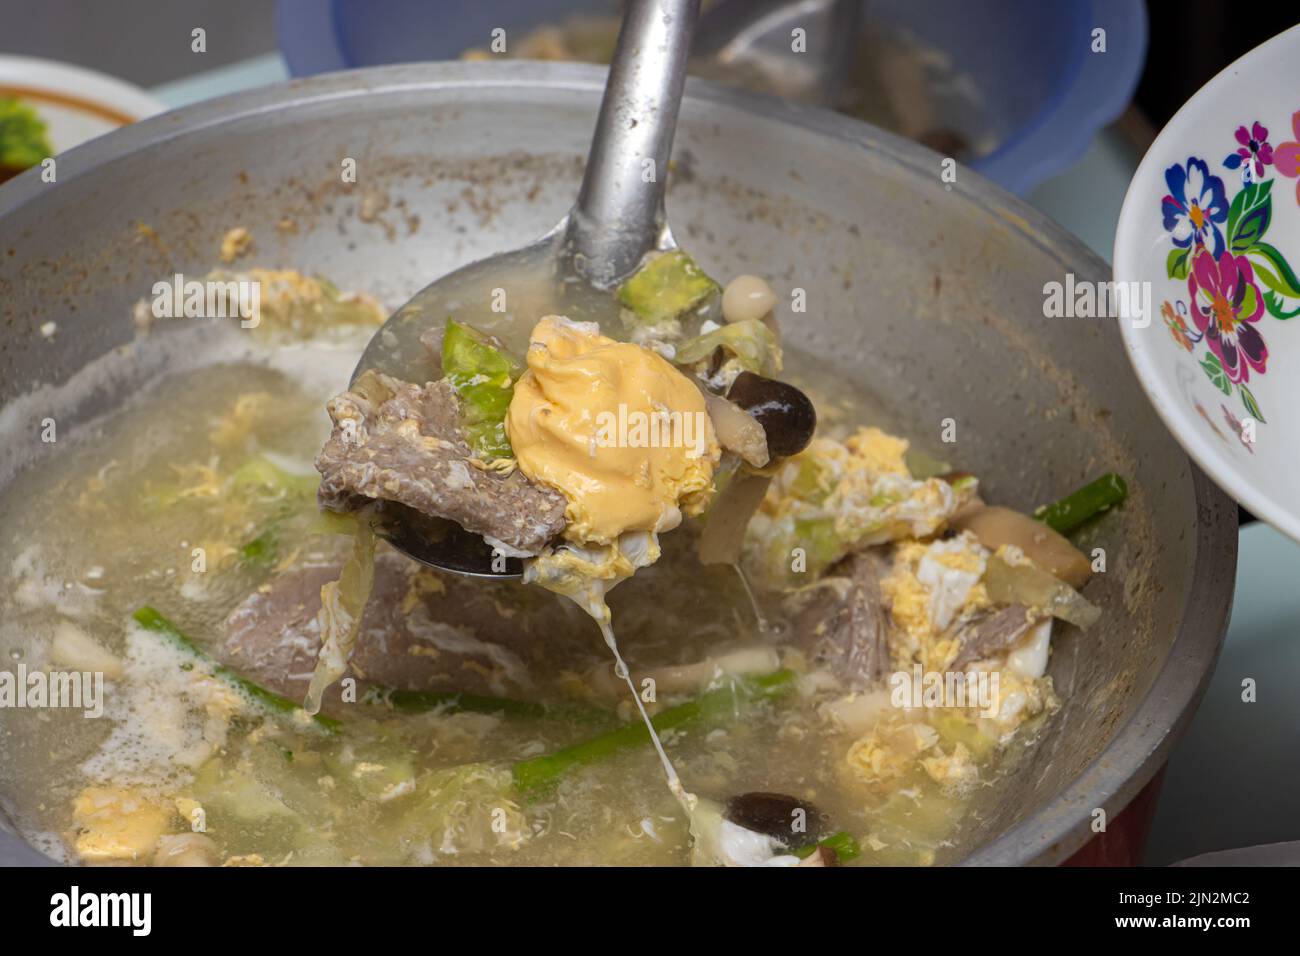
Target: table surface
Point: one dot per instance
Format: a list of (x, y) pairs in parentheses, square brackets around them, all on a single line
[(1251, 794)]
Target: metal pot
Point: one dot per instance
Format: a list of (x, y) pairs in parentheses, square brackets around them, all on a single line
[(929, 293)]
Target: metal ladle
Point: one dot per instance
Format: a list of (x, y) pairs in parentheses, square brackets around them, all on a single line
[(618, 218)]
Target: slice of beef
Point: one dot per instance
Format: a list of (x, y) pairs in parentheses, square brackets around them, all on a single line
[(422, 630), (993, 632), (842, 623), (401, 442)]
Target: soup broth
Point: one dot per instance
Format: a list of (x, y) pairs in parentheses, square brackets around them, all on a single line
[(197, 496)]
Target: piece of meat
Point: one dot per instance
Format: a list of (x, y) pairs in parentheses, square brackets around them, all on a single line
[(842, 623), (401, 442), (993, 632), (422, 630)]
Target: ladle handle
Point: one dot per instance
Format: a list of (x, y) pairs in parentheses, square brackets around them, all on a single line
[(620, 211)]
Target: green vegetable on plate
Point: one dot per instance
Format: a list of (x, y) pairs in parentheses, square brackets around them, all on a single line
[(23, 140)]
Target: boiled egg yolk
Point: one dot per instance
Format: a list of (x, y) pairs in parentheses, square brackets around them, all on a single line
[(614, 427)]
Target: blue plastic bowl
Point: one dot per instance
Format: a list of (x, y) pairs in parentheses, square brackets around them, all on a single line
[(1045, 93)]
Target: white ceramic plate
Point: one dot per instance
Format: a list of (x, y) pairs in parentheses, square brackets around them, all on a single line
[(76, 104), (1212, 222)]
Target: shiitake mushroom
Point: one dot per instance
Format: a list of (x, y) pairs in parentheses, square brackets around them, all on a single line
[(791, 822), (786, 414)]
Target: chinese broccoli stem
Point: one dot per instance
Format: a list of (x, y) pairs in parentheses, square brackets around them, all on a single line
[(150, 619), (843, 844), (1092, 499), (537, 774)]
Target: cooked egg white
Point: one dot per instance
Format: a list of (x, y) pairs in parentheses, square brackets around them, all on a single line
[(838, 496), (931, 584), (585, 574)]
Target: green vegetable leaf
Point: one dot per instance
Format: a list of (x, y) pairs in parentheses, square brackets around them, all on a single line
[(666, 287), (23, 141), (1214, 370), (483, 374), (1252, 406), (751, 342), (259, 552), (261, 478), (844, 845)]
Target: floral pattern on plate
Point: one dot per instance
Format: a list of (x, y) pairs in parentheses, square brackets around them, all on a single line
[(1234, 278)]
